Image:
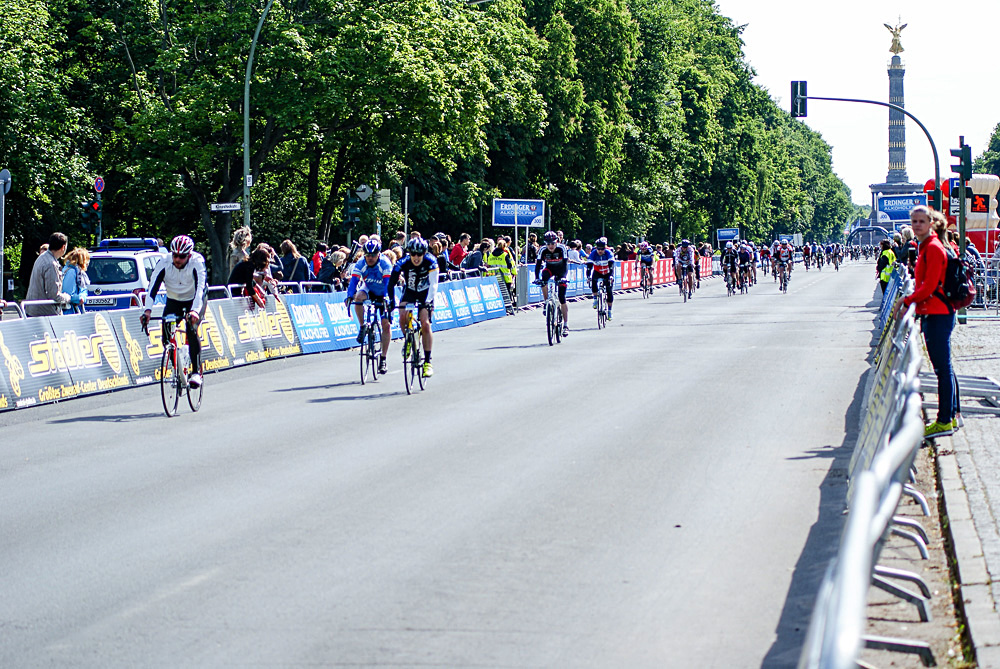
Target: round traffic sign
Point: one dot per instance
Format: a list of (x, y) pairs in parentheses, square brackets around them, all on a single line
[(5, 180), (99, 185)]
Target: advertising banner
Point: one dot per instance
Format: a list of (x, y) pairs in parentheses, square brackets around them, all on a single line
[(444, 316), (727, 235), (897, 207), (492, 300), (7, 366), (33, 364), (521, 213), (86, 347), (459, 302), (475, 299)]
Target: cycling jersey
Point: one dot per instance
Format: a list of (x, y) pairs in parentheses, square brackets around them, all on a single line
[(647, 256), (784, 254), (186, 284), (555, 261), (375, 278), (419, 281), (745, 256), (765, 252), (684, 259), (604, 262)]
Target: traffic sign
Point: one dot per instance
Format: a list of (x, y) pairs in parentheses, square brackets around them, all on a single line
[(980, 203), (225, 206), (363, 191), (382, 199), (5, 180), (99, 185)]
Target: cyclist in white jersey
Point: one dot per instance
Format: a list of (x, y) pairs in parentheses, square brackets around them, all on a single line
[(182, 276)]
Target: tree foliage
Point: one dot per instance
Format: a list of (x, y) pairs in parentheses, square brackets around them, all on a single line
[(637, 117)]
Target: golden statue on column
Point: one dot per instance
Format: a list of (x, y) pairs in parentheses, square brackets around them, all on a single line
[(897, 46)]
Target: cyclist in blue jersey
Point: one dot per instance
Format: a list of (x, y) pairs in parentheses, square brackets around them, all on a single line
[(419, 273), (647, 258), (603, 261), (370, 280)]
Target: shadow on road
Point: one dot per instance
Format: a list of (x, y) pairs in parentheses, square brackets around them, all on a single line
[(348, 398), (326, 386), (821, 545), (108, 419), (503, 348)]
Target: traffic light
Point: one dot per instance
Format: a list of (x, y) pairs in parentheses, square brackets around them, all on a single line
[(934, 199), (964, 167), (798, 99), (353, 212), (88, 218)]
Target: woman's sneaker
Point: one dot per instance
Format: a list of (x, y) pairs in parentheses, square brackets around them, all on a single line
[(936, 429)]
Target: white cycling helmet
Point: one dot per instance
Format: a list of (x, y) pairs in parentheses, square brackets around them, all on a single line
[(729, 245)]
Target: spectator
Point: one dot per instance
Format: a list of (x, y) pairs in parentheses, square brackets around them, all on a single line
[(46, 279), (477, 258), (897, 248), (436, 247), (574, 253), (500, 261), (414, 234), (886, 261), (317, 259), (294, 266), (936, 317), (908, 247), (399, 240), (460, 250), (75, 280), (275, 270), (532, 248), (247, 273), (238, 252)]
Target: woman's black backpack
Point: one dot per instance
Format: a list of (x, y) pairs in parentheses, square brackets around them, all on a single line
[(958, 289)]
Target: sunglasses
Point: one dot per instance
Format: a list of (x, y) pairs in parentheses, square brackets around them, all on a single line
[(415, 254), (180, 256)]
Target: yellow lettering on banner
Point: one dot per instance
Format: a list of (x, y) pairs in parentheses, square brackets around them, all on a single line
[(49, 394), (3, 402), (213, 365), (50, 356)]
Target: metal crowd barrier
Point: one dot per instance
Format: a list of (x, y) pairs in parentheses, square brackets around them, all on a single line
[(892, 430), (987, 280)]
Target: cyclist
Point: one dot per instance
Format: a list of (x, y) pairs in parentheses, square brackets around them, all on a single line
[(806, 251), (419, 272), (746, 259), (765, 258), (647, 256), (182, 276), (555, 259), (370, 280), (603, 261), (685, 259), (784, 257), (730, 260)]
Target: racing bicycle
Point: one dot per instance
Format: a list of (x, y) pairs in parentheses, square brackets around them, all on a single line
[(602, 306), (175, 368), (553, 313), (371, 347), (647, 281), (413, 367)]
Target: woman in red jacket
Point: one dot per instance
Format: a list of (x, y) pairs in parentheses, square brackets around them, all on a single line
[(936, 317)]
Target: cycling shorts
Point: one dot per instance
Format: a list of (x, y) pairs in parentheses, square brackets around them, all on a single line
[(417, 297), (648, 262), (560, 283), (608, 285)]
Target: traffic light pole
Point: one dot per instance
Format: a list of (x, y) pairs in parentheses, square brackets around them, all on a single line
[(246, 118), (4, 187), (937, 164)]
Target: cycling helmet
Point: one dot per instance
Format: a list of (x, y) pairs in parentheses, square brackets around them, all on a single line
[(416, 245), (182, 245), (784, 242), (373, 246), (601, 243), (729, 245), (551, 237), (685, 243), (644, 245)]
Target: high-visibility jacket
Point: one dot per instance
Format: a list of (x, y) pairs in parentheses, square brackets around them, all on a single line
[(503, 262), (886, 273)]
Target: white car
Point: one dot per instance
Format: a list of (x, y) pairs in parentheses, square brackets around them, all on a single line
[(120, 270)]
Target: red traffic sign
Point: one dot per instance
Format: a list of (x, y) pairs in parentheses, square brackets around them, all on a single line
[(99, 185)]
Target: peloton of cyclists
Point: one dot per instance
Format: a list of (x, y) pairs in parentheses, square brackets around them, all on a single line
[(602, 261), (182, 276), (370, 280), (555, 259), (419, 272)]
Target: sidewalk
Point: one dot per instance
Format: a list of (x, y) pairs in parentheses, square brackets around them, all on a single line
[(969, 466)]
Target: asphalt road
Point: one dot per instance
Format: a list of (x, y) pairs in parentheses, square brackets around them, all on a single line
[(663, 493)]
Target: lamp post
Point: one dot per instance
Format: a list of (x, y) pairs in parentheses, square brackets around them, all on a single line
[(246, 118)]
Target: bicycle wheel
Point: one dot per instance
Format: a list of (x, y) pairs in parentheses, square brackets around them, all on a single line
[(170, 385), (194, 394), (407, 366), (550, 323), (372, 351), (363, 360), (418, 367), (685, 292), (559, 324)]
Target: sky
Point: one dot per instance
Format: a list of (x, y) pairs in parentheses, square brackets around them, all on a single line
[(842, 50)]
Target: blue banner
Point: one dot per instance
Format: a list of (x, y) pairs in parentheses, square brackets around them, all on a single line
[(529, 213), (727, 234), (897, 207)]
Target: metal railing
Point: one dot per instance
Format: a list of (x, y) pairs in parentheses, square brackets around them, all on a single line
[(892, 430)]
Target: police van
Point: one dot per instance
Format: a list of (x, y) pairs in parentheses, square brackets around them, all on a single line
[(120, 271)]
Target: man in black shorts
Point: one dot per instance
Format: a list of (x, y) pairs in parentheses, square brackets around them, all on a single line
[(555, 259)]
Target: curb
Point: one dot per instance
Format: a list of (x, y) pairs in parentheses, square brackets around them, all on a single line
[(974, 583)]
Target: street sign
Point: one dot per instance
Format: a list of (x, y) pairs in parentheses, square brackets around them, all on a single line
[(382, 199), (519, 213), (99, 185), (249, 181), (980, 203), (5, 180), (954, 203), (364, 191), (225, 206)]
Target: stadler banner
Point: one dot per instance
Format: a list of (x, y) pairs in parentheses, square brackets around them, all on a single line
[(520, 213), (897, 207)]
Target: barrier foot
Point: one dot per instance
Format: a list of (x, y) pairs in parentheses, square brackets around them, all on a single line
[(908, 595), (917, 495), (920, 648), (915, 538), (914, 525), (908, 576)]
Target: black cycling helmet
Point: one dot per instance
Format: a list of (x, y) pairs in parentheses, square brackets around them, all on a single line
[(417, 245), (551, 237), (601, 243)]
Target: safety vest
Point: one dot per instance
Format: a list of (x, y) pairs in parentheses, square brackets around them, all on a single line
[(500, 262), (886, 272)]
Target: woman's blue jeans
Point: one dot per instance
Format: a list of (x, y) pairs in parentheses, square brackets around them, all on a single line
[(937, 336)]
